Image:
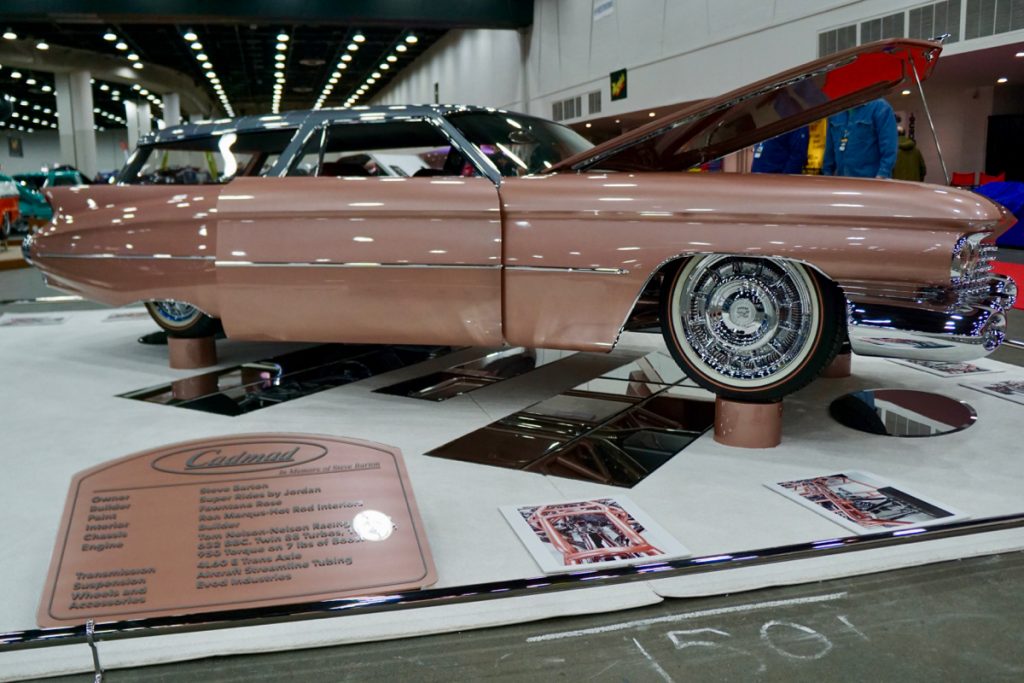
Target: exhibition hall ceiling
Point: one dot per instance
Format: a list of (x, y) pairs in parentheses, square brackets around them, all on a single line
[(251, 58), (1000, 67)]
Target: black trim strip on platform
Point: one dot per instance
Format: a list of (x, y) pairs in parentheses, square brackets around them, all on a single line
[(34, 638)]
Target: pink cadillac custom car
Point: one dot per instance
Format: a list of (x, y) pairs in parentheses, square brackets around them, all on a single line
[(489, 227)]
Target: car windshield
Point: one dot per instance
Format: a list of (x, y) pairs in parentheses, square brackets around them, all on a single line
[(516, 144), (34, 180), (63, 179)]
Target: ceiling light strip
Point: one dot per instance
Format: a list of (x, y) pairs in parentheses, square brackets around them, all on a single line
[(378, 73), (192, 39), (35, 114), (335, 77), (280, 60), (119, 44), (25, 121)]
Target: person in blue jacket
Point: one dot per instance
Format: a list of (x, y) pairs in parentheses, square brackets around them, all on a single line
[(861, 142), (786, 153)]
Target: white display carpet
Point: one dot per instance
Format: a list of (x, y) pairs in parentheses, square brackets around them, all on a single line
[(62, 415)]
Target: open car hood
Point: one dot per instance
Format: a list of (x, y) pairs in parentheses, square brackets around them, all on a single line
[(718, 126)]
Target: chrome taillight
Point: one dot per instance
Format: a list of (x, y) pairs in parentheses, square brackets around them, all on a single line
[(971, 260)]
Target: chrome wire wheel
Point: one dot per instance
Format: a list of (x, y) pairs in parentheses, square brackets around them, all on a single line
[(176, 312), (181, 319), (745, 327)]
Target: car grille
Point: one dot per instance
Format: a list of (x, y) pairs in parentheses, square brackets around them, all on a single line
[(975, 284)]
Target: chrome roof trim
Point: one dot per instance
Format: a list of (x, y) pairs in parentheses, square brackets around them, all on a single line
[(296, 119)]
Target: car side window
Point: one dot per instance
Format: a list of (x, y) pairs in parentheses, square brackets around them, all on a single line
[(380, 149), (207, 160)]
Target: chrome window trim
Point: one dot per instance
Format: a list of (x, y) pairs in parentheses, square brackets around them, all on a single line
[(437, 121), (307, 123), (293, 150), (480, 161), (296, 155), (242, 125)]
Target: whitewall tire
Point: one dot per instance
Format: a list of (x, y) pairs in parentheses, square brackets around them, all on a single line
[(180, 319), (750, 329)]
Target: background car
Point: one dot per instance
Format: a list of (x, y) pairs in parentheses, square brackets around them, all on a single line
[(56, 177), (34, 207), (10, 213)]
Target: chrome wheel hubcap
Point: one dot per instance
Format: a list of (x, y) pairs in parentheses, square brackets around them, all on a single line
[(175, 311), (746, 319)]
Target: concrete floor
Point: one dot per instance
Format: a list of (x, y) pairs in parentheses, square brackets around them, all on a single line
[(24, 284), (953, 621)]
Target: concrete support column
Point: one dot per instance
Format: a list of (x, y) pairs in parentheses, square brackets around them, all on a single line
[(172, 109), (140, 120), (76, 123)]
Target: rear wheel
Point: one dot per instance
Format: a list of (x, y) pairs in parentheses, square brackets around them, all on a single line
[(5, 226), (751, 329), (181, 319)]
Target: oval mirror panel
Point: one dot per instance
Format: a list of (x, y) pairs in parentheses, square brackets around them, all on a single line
[(902, 412)]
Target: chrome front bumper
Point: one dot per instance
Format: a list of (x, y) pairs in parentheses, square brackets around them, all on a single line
[(973, 329)]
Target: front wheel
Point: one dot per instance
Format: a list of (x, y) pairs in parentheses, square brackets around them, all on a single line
[(751, 329), (180, 319)]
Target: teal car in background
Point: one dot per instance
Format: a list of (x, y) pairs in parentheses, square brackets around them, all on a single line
[(35, 209), (54, 178)]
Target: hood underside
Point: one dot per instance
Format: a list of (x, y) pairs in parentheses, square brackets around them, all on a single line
[(713, 128)]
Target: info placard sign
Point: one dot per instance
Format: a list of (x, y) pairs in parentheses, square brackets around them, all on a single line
[(244, 521)]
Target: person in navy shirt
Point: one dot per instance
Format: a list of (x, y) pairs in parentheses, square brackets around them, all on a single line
[(786, 153), (861, 142)]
